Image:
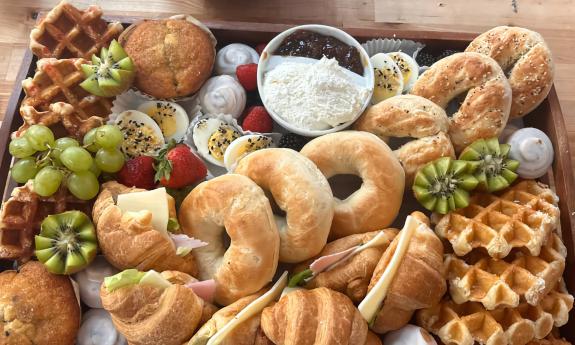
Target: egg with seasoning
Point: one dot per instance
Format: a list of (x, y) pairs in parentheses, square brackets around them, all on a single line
[(408, 67), (142, 135), (212, 137), (244, 145), (170, 117), (388, 81)]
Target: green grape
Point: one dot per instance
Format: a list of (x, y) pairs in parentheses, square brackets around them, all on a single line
[(21, 148), (109, 136), (40, 137), (89, 141), (62, 144), (24, 169), (76, 158), (110, 161), (94, 169), (47, 181), (83, 185)]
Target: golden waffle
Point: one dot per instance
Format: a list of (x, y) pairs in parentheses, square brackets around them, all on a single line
[(54, 95), (504, 283), (68, 32), (22, 214), (550, 340), (522, 217), (464, 324)]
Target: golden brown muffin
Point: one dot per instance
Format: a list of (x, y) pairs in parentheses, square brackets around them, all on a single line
[(37, 307), (173, 57)]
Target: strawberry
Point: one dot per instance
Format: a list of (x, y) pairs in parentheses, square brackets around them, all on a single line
[(258, 120), (138, 172), (177, 166), (260, 48), (248, 76)]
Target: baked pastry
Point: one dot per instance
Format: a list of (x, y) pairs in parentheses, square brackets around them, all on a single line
[(528, 60), (37, 307), (301, 191), (522, 217), (376, 203), (549, 340), (53, 96), (166, 312), (484, 111), (235, 205), (233, 55), (314, 317), (130, 240), (68, 32), (222, 95), (22, 214), (173, 57)]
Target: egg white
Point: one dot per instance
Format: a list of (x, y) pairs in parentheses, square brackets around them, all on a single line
[(233, 153), (387, 66), (201, 136)]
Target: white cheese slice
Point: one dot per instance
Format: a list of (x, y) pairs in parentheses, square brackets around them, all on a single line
[(154, 201), (370, 305)]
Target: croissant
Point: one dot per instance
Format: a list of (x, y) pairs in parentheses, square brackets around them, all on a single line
[(147, 315), (128, 240), (314, 317)]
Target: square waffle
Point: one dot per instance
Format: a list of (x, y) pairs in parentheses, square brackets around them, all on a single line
[(22, 214), (464, 324), (522, 217), (504, 283), (68, 32), (54, 95)]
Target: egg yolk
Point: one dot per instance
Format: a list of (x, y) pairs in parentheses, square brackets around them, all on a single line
[(254, 144), (220, 140), (165, 117)]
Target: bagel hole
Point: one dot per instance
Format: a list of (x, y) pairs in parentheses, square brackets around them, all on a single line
[(395, 143), (275, 208), (344, 185), (455, 103), (226, 240)]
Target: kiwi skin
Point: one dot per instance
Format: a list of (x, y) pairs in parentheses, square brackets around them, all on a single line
[(444, 185), (494, 170), (67, 242)]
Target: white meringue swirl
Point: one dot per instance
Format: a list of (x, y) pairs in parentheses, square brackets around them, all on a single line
[(534, 151), (233, 55), (90, 279), (222, 95), (98, 329)]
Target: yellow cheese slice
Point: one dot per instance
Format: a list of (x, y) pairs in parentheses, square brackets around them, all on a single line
[(154, 201)]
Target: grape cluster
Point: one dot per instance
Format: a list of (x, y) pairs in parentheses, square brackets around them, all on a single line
[(51, 162)]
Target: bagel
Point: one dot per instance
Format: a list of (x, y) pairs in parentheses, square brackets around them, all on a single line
[(235, 204), (376, 203), (484, 111), (301, 191), (527, 60)]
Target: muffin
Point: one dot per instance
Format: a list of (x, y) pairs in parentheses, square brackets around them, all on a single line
[(173, 57)]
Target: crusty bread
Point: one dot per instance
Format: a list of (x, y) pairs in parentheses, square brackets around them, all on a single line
[(484, 111), (376, 204), (37, 307), (527, 60), (235, 204), (299, 189)]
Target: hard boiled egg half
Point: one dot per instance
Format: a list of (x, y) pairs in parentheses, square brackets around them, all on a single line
[(212, 137), (244, 145), (142, 135), (408, 67), (170, 117)]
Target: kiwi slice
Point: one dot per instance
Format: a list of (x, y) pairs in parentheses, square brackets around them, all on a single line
[(110, 74), (67, 242), (444, 184), (494, 170)]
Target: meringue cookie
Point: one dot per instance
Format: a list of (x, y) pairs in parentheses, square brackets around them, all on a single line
[(233, 55), (534, 151), (97, 329), (409, 335), (222, 95), (90, 279)]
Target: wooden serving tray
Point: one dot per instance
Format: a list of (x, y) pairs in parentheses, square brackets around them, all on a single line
[(547, 117)]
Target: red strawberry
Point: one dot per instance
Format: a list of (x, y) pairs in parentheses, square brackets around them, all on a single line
[(260, 48), (258, 120), (248, 76), (177, 167), (138, 172)]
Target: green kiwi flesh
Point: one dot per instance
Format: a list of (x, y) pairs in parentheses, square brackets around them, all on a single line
[(444, 184), (494, 170), (67, 242)]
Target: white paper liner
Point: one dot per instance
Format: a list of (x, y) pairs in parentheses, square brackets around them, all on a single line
[(390, 45)]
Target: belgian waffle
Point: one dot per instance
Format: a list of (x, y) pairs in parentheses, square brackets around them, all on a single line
[(54, 95), (22, 214), (522, 217), (504, 283), (68, 32), (464, 324)]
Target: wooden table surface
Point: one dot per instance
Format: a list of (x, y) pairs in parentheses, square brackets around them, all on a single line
[(554, 19)]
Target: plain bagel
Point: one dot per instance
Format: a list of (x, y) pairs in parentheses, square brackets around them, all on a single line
[(301, 191), (376, 203), (484, 111), (526, 58), (235, 204)]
